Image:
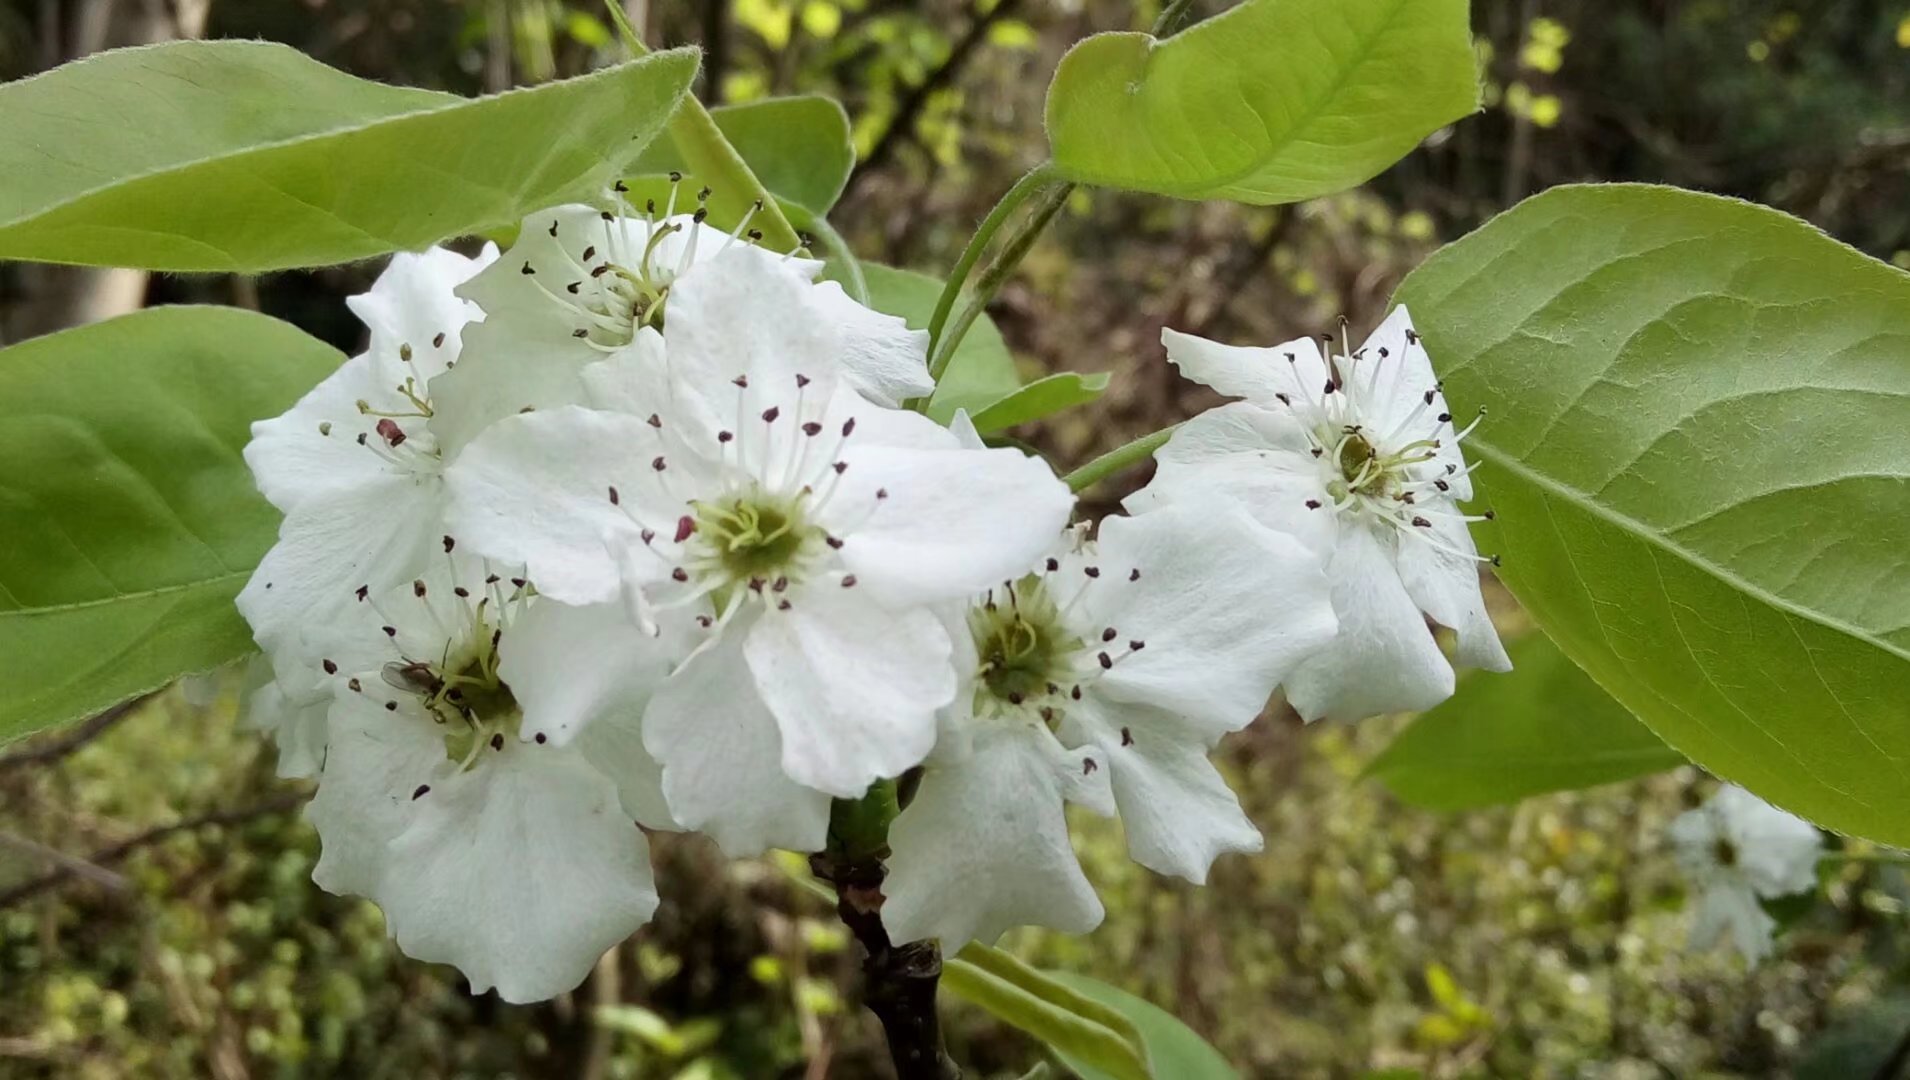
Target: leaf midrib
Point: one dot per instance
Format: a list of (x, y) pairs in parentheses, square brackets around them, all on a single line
[(126, 597), (1633, 527)]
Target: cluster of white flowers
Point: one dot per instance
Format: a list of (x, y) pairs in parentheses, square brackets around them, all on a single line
[(630, 528), (1737, 851)]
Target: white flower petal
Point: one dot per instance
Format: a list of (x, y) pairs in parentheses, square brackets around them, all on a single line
[(1730, 907), (583, 676), (722, 759), (854, 687), (927, 525), (1178, 813), (881, 357), (1777, 851), (535, 490), (1225, 608), (414, 301), (1399, 385), (311, 451), (304, 590), (526, 354), (1258, 457), (293, 717), (520, 871), (1446, 587), (375, 761), (1260, 375), (984, 846), (1385, 659)]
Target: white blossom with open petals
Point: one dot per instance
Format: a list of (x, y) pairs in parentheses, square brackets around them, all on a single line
[(1735, 849), (443, 798), (582, 285), (732, 471), (1103, 677), (354, 465), (1356, 455)]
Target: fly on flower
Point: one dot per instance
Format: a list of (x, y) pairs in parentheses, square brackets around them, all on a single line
[(443, 799), (1357, 454)]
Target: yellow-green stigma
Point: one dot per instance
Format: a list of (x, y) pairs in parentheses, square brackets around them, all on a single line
[(466, 695), (1025, 650), (756, 537)]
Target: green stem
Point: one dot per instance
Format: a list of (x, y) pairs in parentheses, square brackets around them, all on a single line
[(858, 285), (712, 160), (1039, 177), (997, 273), (1117, 459), (1169, 16)]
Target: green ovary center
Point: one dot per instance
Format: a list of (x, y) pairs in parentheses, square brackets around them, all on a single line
[(1024, 649), (471, 701), (1359, 465), (756, 537)]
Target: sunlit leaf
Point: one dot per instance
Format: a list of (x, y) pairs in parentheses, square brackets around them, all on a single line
[(797, 146), (1174, 1051), (1696, 451), (129, 519), (1543, 726), (248, 156), (1272, 101)]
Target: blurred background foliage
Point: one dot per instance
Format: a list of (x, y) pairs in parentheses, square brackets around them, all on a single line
[(186, 938)]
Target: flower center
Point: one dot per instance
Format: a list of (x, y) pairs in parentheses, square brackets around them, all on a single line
[(756, 537), (464, 694), (1725, 852), (1025, 649)]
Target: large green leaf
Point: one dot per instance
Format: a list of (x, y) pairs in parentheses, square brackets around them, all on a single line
[(1697, 450), (1174, 1051), (982, 371), (247, 156), (799, 147), (129, 519), (1074, 1035), (1271, 102), (1544, 726)]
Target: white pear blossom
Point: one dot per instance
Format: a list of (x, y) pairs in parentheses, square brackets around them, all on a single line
[(445, 800), (734, 471), (583, 284), (1735, 849), (1355, 454), (354, 465), (1103, 677), (290, 708)]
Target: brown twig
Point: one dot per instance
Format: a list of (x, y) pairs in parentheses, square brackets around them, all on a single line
[(109, 855), (899, 981), (55, 749), (902, 127)]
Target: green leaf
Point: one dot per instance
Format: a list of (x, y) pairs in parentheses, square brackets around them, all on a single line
[(1696, 451), (247, 156), (1273, 101), (1006, 966), (1173, 1049), (799, 147), (1074, 1037), (131, 518), (1544, 726), (1043, 397), (982, 371)]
